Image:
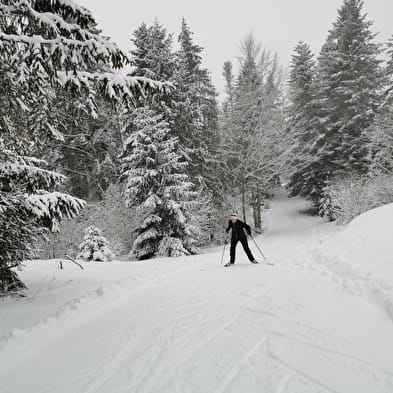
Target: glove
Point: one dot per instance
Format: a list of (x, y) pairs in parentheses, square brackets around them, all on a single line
[(226, 241), (249, 233)]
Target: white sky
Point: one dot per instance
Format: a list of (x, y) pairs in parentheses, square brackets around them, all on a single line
[(219, 25)]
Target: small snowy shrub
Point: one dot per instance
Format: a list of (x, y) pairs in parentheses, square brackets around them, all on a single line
[(347, 198), (94, 246), (115, 220)]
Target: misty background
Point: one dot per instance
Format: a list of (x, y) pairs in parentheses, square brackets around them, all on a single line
[(220, 25)]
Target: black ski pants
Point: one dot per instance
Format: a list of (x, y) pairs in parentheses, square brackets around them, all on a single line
[(243, 241)]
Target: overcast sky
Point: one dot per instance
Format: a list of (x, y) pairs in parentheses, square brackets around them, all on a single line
[(219, 25)]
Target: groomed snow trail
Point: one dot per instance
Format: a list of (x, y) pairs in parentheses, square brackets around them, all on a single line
[(199, 328)]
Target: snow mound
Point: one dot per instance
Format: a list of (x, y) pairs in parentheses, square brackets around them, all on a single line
[(361, 256), (76, 297)]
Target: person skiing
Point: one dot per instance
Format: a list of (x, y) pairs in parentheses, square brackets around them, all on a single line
[(238, 235)]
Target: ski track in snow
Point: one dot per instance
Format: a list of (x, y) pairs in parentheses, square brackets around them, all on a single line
[(190, 326)]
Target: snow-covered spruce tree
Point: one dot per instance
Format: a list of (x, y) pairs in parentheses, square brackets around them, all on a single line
[(191, 111), (29, 204), (95, 247), (300, 120), (45, 45), (196, 116), (348, 82), (152, 54), (156, 183)]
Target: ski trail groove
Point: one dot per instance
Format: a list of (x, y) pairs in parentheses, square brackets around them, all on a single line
[(325, 350), (234, 371), (302, 374), (200, 347)]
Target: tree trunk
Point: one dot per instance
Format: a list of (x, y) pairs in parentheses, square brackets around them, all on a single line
[(243, 190), (258, 223), (254, 206)]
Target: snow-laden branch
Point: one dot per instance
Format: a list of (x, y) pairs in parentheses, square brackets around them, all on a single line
[(32, 177), (53, 206)]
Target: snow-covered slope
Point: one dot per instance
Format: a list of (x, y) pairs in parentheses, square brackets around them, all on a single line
[(361, 256), (307, 324)]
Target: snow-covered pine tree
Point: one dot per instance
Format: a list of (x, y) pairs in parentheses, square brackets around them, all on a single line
[(196, 122), (348, 83), (29, 204), (154, 57), (95, 247), (300, 120), (152, 54), (46, 45), (158, 186), (191, 111)]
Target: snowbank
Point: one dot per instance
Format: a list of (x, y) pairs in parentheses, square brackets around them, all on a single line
[(59, 297), (361, 256)]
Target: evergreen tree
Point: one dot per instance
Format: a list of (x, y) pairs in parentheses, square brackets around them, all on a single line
[(157, 185), (152, 54), (154, 57), (300, 120), (191, 111), (95, 247), (348, 81), (196, 116)]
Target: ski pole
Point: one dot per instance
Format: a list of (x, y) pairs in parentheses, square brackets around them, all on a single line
[(223, 252), (258, 248)]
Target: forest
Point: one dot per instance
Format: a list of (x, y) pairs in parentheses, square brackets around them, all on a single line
[(106, 153)]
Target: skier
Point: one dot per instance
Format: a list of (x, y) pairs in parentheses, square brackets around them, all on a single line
[(238, 234)]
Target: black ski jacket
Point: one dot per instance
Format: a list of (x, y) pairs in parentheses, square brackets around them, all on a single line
[(238, 229)]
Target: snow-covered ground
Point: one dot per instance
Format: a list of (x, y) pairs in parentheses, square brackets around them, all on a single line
[(319, 320)]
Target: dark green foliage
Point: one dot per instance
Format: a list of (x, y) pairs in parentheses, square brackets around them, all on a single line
[(45, 47), (331, 115)]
